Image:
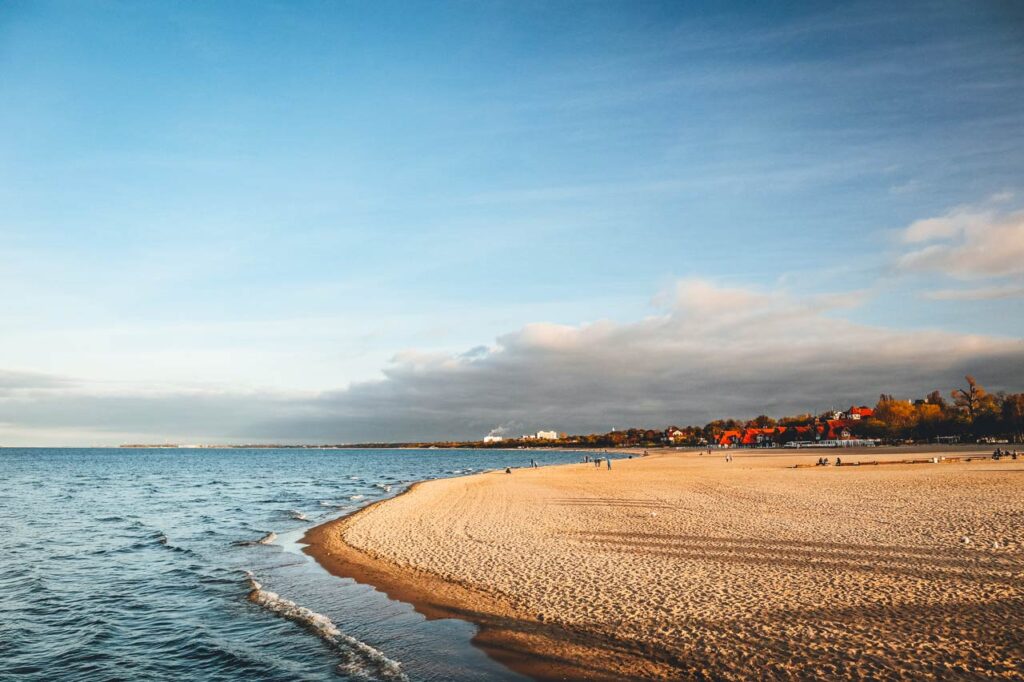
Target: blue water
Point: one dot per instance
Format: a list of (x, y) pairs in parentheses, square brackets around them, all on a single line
[(139, 564)]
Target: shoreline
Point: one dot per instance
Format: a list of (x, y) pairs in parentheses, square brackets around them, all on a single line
[(520, 644), (517, 628)]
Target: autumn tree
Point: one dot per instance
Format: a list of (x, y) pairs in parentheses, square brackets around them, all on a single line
[(898, 416), (761, 422), (969, 399), (930, 419)]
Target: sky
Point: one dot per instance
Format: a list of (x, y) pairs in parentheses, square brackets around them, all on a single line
[(369, 221)]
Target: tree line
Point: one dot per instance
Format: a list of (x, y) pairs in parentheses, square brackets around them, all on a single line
[(968, 414)]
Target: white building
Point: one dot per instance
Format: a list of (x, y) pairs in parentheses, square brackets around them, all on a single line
[(493, 439), (547, 435)]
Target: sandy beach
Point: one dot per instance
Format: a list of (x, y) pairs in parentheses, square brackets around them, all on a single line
[(681, 566)]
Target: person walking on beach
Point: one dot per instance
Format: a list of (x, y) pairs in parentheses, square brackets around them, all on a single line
[(609, 461)]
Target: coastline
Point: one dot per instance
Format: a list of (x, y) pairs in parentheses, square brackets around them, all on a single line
[(528, 623), (521, 643)]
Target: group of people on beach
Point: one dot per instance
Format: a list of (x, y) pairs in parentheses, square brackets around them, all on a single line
[(825, 461), (999, 454), (597, 461)]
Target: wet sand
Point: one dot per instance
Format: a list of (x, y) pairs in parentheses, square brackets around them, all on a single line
[(685, 566)]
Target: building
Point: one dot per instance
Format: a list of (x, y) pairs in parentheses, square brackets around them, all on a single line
[(493, 439), (674, 434), (856, 413), (770, 437), (832, 430), (547, 435)]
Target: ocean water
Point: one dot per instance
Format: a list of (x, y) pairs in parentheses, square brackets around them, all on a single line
[(123, 564)]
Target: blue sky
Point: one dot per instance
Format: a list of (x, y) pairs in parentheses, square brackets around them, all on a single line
[(287, 200)]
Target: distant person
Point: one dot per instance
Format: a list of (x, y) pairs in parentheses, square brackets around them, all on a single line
[(609, 462), (508, 470), (839, 462)]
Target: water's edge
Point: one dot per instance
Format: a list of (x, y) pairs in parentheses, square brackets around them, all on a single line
[(522, 646)]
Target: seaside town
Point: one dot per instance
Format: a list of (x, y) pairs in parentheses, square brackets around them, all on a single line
[(969, 415)]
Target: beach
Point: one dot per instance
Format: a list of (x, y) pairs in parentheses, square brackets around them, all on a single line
[(680, 565)]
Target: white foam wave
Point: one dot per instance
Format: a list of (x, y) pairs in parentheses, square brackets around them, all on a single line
[(356, 497), (297, 515), (383, 486), (361, 661), (267, 539)]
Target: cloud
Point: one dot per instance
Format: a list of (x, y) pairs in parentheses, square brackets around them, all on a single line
[(716, 351), (712, 351), (967, 243), (977, 294), (12, 382)]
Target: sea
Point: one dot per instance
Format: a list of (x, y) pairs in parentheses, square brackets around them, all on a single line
[(186, 564)]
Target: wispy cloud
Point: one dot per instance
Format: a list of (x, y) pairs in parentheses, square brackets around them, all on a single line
[(976, 294), (12, 382), (968, 242)]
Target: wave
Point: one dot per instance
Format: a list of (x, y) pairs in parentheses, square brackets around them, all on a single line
[(360, 660), (297, 515), (265, 540), (383, 486), (162, 539)]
